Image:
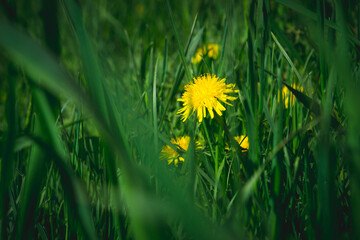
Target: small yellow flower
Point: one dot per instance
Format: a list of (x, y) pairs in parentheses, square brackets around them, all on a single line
[(243, 142), (206, 92), (211, 50), (181, 143), (198, 56), (288, 96)]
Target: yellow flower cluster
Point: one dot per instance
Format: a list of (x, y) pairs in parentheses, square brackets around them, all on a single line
[(206, 93), (182, 144), (211, 50), (287, 95)]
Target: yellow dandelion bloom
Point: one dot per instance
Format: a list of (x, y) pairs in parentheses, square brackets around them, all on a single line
[(206, 92), (287, 95), (211, 50), (243, 142), (182, 143), (198, 56)]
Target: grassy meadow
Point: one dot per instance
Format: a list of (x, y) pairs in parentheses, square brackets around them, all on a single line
[(184, 119)]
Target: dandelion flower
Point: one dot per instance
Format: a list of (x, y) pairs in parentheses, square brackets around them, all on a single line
[(211, 50), (287, 95), (206, 92), (198, 56), (181, 143), (243, 142)]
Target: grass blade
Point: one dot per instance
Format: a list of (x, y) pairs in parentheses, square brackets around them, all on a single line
[(180, 48)]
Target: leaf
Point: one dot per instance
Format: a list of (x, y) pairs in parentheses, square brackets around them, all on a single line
[(180, 47), (313, 16), (93, 73)]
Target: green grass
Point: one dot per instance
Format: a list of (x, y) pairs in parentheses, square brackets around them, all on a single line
[(88, 99)]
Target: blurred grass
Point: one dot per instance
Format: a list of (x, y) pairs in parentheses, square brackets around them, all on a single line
[(89, 97)]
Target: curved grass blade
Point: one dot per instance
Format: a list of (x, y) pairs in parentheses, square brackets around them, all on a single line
[(144, 58), (180, 47), (92, 70), (285, 41), (287, 57)]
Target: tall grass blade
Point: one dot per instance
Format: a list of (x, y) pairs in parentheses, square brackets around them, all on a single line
[(92, 71), (179, 45)]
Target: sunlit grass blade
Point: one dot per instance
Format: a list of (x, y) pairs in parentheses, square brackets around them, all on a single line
[(287, 57), (285, 41), (155, 107)]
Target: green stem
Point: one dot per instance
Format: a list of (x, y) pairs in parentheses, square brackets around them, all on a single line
[(210, 146)]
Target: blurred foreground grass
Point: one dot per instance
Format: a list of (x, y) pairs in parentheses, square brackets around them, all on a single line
[(94, 144)]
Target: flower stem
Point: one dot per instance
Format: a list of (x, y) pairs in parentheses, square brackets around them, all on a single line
[(210, 146)]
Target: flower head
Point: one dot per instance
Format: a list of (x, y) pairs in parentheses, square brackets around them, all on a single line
[(287, 95), (198, 56), (206, 92), (211, 50), (181, 143), (243, 142)]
